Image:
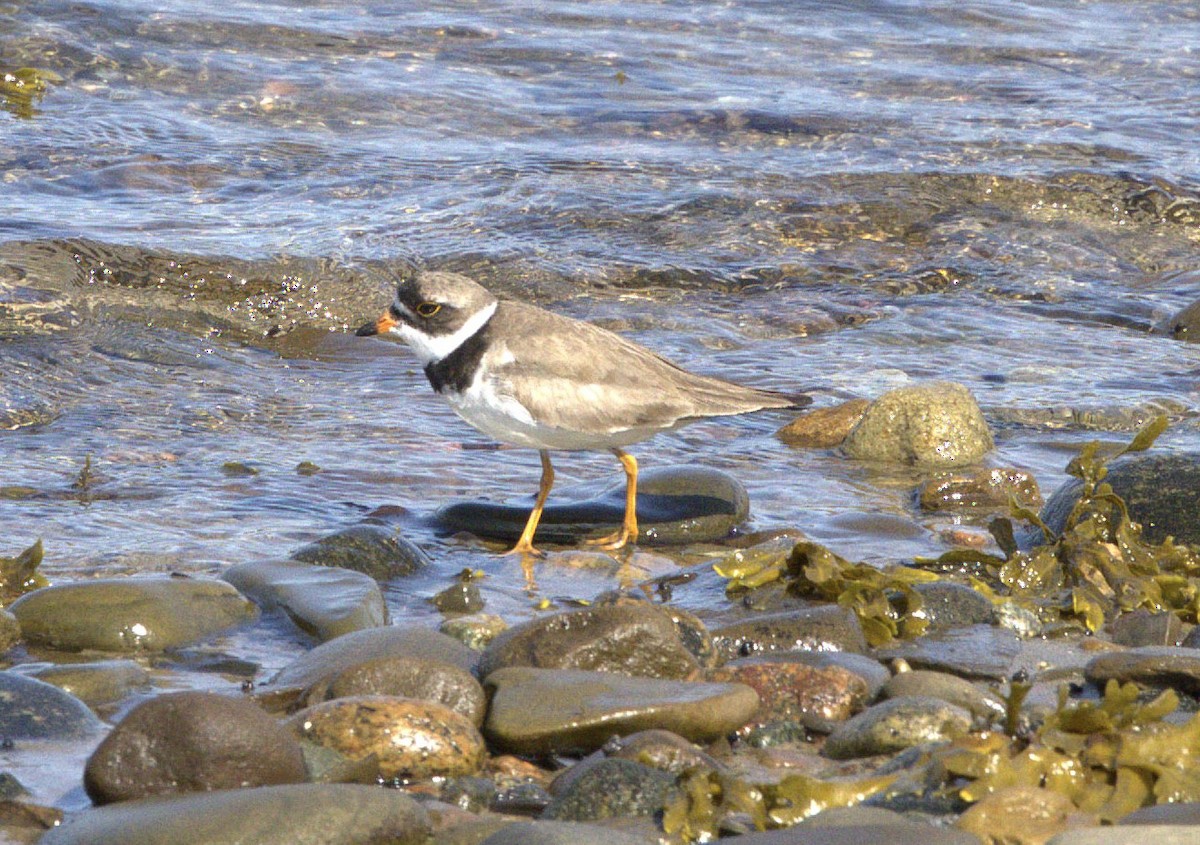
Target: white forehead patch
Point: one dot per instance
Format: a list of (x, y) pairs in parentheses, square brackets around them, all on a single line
[(430, 349)]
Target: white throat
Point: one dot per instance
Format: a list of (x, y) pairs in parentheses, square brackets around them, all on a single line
[(430, 349)]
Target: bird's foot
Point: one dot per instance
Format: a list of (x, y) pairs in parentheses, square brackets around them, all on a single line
[(614, 541)]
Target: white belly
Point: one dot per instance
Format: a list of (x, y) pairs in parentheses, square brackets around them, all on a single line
[(507, 420)]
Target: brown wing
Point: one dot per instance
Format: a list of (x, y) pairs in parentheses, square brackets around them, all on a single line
[(579, 376)]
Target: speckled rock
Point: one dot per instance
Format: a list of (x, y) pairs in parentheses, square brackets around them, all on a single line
[(406, 677), (130, 614), (823, 628), (981, 703), (562, 833), (689, 504), (632, 639), (977, 651), (1154, 666), (612, 789), (324, 601), (372, 643), (191, 742), (1162, 492), (945, 605), (409, 738), (1018, 815), (817, 698), (823, 428), (536, 711), (33, 709), (936, 424), (102, 682), (657, 748), (298, 814), (475, 631), (896, 724), (375, 551)]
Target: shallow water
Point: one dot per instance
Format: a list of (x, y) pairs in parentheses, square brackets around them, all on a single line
[(833, 197)]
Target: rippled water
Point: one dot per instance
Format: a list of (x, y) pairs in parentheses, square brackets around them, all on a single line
[(840, 197)]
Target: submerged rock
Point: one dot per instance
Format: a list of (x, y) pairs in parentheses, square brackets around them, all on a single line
[(192, 742), (1162, 492), (102, 682), (297, 814), (937, 424), (324, 601), (675, 505), (631, 639), (33, 709), (987, 488), (373, 550), (130, 614), (535, 711), (407, 738)]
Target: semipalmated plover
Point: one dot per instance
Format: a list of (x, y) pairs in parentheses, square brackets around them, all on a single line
[(533, 378)]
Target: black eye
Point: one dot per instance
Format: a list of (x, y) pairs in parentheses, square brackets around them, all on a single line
[(428, 309)]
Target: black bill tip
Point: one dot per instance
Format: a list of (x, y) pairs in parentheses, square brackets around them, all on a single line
[(367, 330)]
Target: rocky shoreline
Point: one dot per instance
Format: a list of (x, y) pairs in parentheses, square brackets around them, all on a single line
[(1034, 689)]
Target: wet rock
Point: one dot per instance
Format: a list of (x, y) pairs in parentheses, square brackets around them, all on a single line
[(896, 724), (1163, 835), (1162, 493), (823, 428), (1182, 813), (475, 631), (981, 703), (817, 698), (33, 709), (1185, 324), (899, 833), (536, 711), (370, 644), (11, 789), (102, 682), (409, 739), (381, 553), (562, 833), (463, 596), (631, 639), (405, 677), (824, 628), (23, 823), (984, 489), (323, 601), (937, 424), (191, 742), (1020, 815), (656, 748), (612, 788), (1152, 666), (873, 673), (10, 630), (946, 605), (1140, 627), (977, 651), (675, 505), (297, 814), (130, 614)]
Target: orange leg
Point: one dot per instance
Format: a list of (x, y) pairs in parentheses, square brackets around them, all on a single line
[(629, 530), (524, 545)]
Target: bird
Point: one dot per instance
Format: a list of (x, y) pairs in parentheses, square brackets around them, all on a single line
[(530, 377)]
